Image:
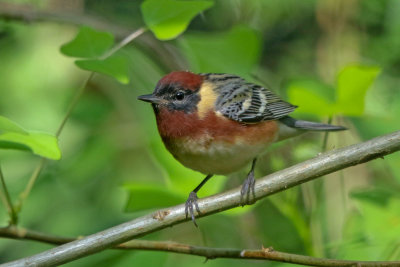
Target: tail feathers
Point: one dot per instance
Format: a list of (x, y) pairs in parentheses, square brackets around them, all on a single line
[(309, 125)]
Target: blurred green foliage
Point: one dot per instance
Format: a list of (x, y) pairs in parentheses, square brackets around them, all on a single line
[(223, 52), (323, 55)]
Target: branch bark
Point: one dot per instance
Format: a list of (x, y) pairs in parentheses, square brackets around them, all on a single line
[(28, 13), (207, 252), (323, 164)]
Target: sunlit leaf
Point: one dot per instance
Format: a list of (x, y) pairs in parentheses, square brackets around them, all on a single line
[(88, 43), (115, 66), (312, 97), (142, 197), (6, 125), (348, 98), (353, 83), (236, 51), (13, 136), (169, 18)]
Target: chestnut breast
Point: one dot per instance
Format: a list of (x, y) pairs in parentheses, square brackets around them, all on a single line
[(212, 143)]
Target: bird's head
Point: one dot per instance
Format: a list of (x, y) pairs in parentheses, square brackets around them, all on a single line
[(177, 91)]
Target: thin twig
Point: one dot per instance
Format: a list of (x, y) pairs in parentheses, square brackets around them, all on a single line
[(326, 134), (8, 201), (14, 232), (207, 252), (3, 199), (24, 195), (124, 42), (74, 102), (29, 185), (323, 164)]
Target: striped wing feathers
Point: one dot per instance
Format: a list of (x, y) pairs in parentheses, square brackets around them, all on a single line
[(246, 102)]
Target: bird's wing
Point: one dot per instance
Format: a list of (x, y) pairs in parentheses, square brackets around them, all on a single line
[(246, 102)]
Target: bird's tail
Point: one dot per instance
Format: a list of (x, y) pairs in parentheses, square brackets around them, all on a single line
[(310, 125), (292, 127)]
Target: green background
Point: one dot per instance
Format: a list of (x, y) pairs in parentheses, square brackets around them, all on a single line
[(336, 59)]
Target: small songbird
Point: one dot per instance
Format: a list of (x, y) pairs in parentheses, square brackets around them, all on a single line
[(218, 123)]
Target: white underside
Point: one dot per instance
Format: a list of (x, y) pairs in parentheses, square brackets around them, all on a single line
[(209, 156), (217, 157)]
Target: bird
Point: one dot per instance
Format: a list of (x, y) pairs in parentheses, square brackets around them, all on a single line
[(217, 123)]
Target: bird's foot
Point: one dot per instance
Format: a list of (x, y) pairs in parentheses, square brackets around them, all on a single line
[(190, 202), (247, 189)]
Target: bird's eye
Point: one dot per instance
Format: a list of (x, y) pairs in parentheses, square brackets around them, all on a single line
[(179, 95)]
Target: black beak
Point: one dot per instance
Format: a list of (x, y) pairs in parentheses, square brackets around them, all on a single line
[(150, 98)]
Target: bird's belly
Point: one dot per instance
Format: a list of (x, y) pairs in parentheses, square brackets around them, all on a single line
[(210, 156), (214, 144)]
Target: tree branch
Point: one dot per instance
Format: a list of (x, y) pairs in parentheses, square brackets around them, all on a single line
[(323, 164), (207, 252), (28, 13), (24, 234)]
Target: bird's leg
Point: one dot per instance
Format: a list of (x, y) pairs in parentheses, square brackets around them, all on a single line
[(192, 200), (248, 186)]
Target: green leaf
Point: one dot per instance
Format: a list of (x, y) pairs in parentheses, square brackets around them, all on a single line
[(312, 97), (88, 43), (41, 144), (236, 51), (353, 83), (169, 18), (316, 98), (13, 136), (142, 197), (7, 125), (115, 66)]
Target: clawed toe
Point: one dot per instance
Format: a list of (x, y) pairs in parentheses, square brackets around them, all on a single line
[(247, 189), (190, 202)]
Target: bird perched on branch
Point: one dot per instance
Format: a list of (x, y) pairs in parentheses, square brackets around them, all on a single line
[(218, 123)]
